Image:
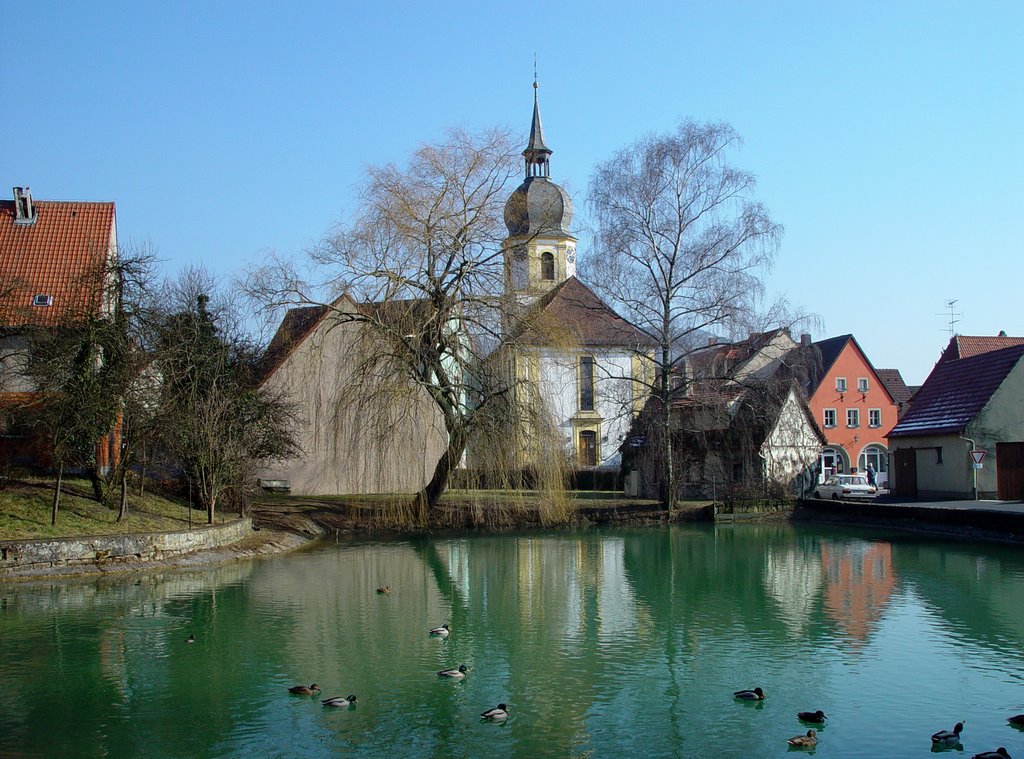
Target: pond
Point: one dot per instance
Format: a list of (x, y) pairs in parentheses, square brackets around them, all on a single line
[(602, 641)]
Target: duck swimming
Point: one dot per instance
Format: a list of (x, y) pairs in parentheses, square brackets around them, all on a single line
[(305, 690), (949, 736), (457, 674), (384, 589), (1017, 720), (804, 741), (339, 701), (440, 632), (191, 638), (999, 753), (749, 695), (496, 714), (817, 717)]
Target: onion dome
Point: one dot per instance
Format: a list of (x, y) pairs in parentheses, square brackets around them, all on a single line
[(538, 206)]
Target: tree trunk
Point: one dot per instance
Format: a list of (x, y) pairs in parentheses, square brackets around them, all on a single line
[(97, 483), (123, 510), (428, 497), (56, 493), (668, 496)]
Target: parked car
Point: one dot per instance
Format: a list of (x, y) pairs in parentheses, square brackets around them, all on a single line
[(840, 486)]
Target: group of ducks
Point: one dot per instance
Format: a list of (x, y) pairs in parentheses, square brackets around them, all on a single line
[(941, 739), (497, 714)]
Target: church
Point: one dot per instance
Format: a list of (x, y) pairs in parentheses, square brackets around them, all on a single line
[(585, 363)]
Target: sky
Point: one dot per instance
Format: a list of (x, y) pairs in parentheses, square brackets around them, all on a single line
[(886, 137)]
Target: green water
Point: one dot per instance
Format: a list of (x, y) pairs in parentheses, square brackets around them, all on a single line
[(602, 642)]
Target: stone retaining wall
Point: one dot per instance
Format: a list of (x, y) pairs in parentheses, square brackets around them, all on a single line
[(17, 557)]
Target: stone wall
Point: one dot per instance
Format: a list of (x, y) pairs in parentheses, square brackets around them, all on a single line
[(63, 554)]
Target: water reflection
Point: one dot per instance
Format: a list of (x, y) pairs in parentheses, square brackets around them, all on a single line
[(626, 640)]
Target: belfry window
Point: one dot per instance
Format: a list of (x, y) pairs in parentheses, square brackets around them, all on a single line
[(547, 266)]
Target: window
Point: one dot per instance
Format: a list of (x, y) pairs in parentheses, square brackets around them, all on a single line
[(547, 266), (840, 384), (874, 417), (587, 383), (588, 448), (42, 300), (830, 418), (862, 384), (938, 454), (852, 417), (875, 456)]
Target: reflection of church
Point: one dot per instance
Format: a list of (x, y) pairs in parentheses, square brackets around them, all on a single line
[(569, 346)]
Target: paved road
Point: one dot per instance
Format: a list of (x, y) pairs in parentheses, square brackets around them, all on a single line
[(997, 507)]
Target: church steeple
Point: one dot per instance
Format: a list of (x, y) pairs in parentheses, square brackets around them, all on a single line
[(537, 153)]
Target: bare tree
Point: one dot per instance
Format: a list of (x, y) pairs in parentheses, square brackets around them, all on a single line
[(422, 261), (680, 248), (214, 424)]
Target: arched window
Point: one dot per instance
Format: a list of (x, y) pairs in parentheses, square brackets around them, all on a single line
[(874, 455), (547, 266)]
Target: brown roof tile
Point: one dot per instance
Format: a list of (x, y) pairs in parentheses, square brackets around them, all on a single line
[(576, 309), (966, 346), (60, 255), (956, 392), (893, 381)]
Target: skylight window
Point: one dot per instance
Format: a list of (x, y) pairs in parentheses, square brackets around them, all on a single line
[(42, 300)]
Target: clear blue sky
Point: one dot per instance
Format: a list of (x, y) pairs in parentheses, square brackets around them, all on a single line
[(887, 137)]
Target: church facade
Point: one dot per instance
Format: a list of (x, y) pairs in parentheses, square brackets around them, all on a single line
[(580, 359)]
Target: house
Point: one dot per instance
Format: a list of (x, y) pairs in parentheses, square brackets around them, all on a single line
[(387, 440), (974, 403), (55, 270), (966, 346), (568, 348), (741, 417), (898, 389), (852, 404)]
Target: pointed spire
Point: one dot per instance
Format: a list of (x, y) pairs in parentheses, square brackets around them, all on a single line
[(537, 152)]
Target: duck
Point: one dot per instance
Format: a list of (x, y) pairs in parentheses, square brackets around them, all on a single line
[(191, 638), (458, 674), (949, 736), (999, 753), (496, 714), (816, 717), (440, 632), (749, 695), (384, 590), (340, 701), (305, 690), (804, 741), (1017, 720)]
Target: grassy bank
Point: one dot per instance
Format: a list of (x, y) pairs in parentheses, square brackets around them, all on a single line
[(25, 512)]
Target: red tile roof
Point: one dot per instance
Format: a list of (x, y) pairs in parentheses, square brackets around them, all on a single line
[(576, 309), (956, 392), (966, 346), (60, 254), (893, 381)]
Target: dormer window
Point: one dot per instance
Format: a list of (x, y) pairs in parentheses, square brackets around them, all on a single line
[(547, 266), (862, 384), (840, 384), (42, 300)]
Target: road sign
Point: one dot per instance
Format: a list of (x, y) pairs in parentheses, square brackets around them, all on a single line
[(978, 456)]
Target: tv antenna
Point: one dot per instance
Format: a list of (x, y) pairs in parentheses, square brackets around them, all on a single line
[(952, 315)]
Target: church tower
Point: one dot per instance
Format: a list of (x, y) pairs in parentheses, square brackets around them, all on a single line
[(539, 251)]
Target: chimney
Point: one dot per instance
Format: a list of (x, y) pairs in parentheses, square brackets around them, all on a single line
[(24, 213), (805, 340)]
